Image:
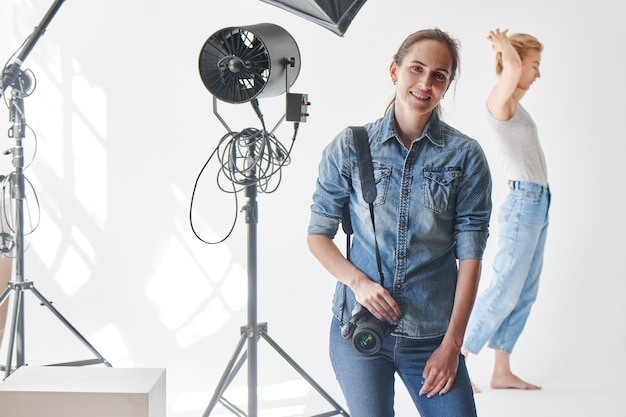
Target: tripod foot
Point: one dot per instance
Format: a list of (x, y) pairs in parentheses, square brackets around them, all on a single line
[(240, 356)]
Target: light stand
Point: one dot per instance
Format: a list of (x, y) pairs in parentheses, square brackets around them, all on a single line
[(251, 332), (20, 83), (238, 65)]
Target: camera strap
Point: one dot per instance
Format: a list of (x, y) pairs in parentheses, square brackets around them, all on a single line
[(368, 189), (368, 185)]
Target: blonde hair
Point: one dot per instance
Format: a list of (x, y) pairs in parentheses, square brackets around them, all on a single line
[(523, 43)]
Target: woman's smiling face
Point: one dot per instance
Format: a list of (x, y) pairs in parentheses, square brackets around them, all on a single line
[(423, 77)]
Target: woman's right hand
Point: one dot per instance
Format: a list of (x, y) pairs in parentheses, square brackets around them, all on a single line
[(369, 293), (377, 300)]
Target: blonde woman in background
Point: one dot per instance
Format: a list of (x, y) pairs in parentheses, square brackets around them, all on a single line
[(501, 311)]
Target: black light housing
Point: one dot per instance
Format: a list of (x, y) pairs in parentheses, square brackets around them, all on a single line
[(239, 64)]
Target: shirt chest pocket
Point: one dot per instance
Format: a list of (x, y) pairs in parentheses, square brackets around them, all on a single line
[(382, 173), (440, 185)]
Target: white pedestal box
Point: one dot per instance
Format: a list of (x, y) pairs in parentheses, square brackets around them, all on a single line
[(70, 391)]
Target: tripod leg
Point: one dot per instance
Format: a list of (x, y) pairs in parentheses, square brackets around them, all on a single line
[(301, 371), (231, 369), (6, 265), (4, 296), (72, 329), (19, 294), (233, 408)]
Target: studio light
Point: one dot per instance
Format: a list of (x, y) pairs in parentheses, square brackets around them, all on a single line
[(244, 64), (334, 15), (239, 64)]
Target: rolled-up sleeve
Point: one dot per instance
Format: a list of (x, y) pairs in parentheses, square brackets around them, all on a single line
[(471, 245), (332, 189), (474, 206), (320, 224)]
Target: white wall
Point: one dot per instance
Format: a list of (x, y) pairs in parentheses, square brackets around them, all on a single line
[(124, 125)]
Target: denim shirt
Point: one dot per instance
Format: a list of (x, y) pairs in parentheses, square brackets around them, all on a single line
[(432, 207)]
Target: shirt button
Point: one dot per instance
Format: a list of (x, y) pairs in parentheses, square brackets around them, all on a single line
[(405, 191), (402, 224), (398, 286), (401, 256)]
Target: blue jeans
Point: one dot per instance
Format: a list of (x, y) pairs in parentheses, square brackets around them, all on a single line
[(501, 311), (367, 381)]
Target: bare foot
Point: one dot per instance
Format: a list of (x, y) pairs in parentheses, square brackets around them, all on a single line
[(475, 388), (511, 381)]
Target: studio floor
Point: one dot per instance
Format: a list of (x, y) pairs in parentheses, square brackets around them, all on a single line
[(572, 391), (567, 391)]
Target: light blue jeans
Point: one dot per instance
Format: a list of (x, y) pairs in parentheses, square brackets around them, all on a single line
[(367, 381), (501, 310)]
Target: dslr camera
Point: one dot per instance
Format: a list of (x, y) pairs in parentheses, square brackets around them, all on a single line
[(365, 331)]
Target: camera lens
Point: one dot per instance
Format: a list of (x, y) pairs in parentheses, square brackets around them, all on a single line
[(366, 342), (365, 331)]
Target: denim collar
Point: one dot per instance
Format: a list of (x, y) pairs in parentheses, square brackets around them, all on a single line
[(432, 131)]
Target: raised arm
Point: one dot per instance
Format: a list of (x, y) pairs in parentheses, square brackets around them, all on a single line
[(501, 102)]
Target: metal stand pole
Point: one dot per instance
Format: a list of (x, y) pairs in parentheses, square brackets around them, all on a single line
[(12, 72), (18, 193), (19, 82), (254, 330)]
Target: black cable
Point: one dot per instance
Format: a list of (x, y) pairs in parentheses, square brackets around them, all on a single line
[(193, 194), (252, 157)]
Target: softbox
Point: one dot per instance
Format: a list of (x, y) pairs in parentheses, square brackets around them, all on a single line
[(335, 15)]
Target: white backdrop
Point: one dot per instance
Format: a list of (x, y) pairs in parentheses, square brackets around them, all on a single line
[(124, 125)]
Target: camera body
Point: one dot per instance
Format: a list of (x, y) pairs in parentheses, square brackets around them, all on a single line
[(365, 331)]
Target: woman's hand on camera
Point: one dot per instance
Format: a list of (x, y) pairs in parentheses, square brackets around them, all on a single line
[(377, 300), (370, 294)]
